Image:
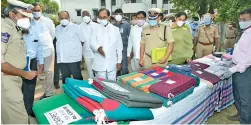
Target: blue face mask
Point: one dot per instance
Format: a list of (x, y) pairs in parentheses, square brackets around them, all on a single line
[(245, 25), (207, 21), (152, 22)]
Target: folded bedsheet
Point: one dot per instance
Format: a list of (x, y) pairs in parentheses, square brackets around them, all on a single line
[(157, 72), (125, 94), (138, 80), (206, 76), (173, 85), (115, 111), (49, 104)]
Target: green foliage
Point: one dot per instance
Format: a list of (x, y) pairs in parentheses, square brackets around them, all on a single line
[(227, 9)]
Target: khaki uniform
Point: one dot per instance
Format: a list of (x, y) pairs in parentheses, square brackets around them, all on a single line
[(154, 38), (205, 44), (13, 52), (230, 35)]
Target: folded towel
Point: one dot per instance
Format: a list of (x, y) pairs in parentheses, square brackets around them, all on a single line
[(194, 64), (206, 76), (180, 68)]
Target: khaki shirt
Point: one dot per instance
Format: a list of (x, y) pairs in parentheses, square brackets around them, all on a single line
[(230, 33), (154, 38), (12, 45), (203, 32)]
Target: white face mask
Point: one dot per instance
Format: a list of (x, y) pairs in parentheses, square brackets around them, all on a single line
[(23, 23), (180, 23), (86, 19), (118, 18), (64, 22), (103, 22), (245, 25), (36, 14)]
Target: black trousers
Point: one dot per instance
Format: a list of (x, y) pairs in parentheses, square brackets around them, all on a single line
[(56, 66), (242, 95), (28, 88), (68, 69)]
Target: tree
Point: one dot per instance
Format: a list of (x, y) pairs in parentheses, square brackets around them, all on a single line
[(227, 9)]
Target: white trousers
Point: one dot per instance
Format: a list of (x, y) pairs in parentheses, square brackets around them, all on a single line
[(88, 63), (135, 65), (106, 75)]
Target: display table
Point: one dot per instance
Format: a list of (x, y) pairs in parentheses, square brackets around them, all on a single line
[(197, 107)]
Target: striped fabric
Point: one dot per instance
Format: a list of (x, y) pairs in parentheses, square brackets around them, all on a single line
[(220, 98), (138, 80), (173, 85)]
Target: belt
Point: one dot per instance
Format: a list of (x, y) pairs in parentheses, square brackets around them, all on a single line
[(230, 37), (205, 44), (148, 55)]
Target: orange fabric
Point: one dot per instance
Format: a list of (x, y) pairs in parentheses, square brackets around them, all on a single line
[(131, 77), (140, 82)]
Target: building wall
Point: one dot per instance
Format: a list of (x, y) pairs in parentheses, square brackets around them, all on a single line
[(72, 5)]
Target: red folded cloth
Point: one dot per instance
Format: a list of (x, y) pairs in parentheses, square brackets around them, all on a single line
[(173, 85), (194, 64), (206, 76)]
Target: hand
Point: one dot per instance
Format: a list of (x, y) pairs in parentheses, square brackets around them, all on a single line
[(194, 48), (30, 75), (141, 62), (227, 74), (129, 60), (118, 66), (131, 55), (100, 50), (188, 60), (162, 61), (40, 68)]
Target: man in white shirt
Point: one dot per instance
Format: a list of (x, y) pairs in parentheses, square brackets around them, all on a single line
[(107, 46), (45, 29), (86, 28), (68, 46), (134, 41)]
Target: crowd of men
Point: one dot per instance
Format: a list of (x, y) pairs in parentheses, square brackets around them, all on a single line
[(107, 48)]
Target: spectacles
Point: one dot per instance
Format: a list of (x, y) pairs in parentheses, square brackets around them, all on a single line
[(244, 19)]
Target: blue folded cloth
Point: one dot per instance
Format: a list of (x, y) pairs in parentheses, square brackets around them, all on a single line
[(179, 68)]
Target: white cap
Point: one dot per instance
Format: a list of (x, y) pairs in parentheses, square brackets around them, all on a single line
[(154, 11), (22, 7)]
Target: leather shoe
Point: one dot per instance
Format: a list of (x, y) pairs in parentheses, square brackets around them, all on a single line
[(235, 117)]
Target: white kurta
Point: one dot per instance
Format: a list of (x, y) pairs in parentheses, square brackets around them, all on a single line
[(46, 33), (134, 41), (110, 39), (69, 48)]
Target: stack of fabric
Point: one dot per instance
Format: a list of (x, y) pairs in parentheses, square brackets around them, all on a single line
[(198, 65), (173, 85), (125, 94), (138, 80), (157, 72), (206, 76), (88, 97)]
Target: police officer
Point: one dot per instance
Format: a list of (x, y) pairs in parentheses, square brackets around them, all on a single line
[(124, 29), (206, 37), (230, 36), (155, 35), (13, 61), (34, 54)]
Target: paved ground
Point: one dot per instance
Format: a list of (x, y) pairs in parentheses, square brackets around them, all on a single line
[(217, 118)]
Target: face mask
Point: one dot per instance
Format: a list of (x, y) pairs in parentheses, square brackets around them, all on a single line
[(180, 23), (245, 25), (196, 22), (140, 23), (23, 23), (36, 14), (103, 22), (98, 20), (64, 22), (86, 19), (152, 22), (118, 18), (134, 22), (207, 21)]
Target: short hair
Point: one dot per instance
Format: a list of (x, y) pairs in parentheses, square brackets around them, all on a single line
[(104, 9), (118, 11), (246, 11), (9, 8), (36, 4), (195, 18), (134, 15), (64, 11), (179, 14), (142, 12)]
